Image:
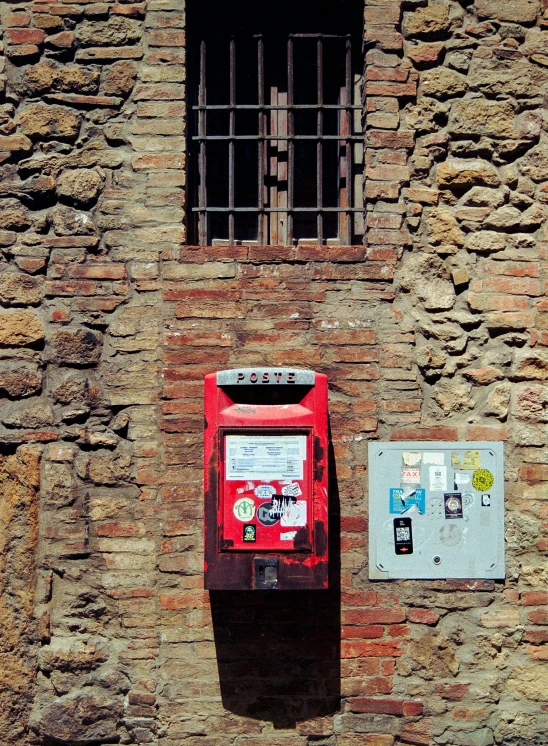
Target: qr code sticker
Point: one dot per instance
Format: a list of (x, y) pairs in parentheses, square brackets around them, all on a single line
[(403, 533)]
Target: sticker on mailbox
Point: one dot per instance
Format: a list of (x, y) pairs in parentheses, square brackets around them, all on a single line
[(265, 515), (292, 490), (294, 514), (400, 502), (264, 491), (250, 532), (482, 480), (265, 457), (244, 509), (453, 505)]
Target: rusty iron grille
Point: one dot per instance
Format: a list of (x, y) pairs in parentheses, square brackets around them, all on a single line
[(278, 140)]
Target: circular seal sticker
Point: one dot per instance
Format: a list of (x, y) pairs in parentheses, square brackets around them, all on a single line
[(263, 515), (244, 509), (264, 491), (482, 480)]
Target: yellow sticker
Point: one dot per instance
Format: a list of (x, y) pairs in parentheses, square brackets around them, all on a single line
[(471, 460), (456, 463), (482, 480)]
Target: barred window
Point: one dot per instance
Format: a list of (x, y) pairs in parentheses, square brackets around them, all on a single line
[(275, 140)]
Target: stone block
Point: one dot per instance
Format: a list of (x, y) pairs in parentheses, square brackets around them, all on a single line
[(32, 414), (13, 215), (518, 11), (442, 82), (424, 21), (117, 31), (43, 122), (20, 328), (80, 186), (17, 382), (75, 347), (462, 173), (20, 289)]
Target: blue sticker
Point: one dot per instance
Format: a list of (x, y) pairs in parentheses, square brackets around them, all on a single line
[(401, 500)]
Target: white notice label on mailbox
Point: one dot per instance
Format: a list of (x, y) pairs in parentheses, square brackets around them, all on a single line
[(264, 457)]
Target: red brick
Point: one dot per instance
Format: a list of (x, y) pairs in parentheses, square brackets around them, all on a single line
[(133, 10), (25, 36), (166, 38), (356, 524), (19, 18), (382, 14), (385, 37), (398, 630), (411, 709), (373, 616), (390, 139), (363, 633), (381, 649), (538, 616), (487, 302), (423, 53), (487, 432), (391, 89), (435, 432), (393, 74), (118, 528), (98, 271), (164, 160), (388, 237), (452, 692), (384, 220), (141, 698), (423, 616), (534, 598), (536, 636), (387, 173), (358, 598), (538, 652), (159, 92), (184, 600), (382, 189), (76, 287), (381, 254), (382, 706), (534, 472), (510, 320), (514, 285), (513, 269)]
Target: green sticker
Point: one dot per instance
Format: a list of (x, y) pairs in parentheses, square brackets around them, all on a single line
[(482, 480)]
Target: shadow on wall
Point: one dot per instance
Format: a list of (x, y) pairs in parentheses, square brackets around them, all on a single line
[(278, 652)]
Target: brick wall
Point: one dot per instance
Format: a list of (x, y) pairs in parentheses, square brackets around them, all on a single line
[(108, 322)]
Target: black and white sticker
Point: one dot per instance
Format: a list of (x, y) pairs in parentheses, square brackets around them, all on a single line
[(403, 536)]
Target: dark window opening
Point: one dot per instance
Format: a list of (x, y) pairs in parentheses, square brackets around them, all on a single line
[(275, 133)]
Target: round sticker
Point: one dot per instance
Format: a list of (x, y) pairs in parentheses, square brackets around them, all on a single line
[(482, 480), (453, 504), (263, 515), (264, 491), (244, 509)]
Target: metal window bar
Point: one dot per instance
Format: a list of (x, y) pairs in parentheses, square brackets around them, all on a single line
[(319, 144), (279, 212), (232, 133), (202, 199)]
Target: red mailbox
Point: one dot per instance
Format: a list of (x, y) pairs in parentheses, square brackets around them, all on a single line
[(265, 457)]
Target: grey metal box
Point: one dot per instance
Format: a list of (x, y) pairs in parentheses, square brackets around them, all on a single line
[(451, 499)]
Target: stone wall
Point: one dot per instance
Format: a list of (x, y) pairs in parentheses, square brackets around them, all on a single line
[(108, 322)]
